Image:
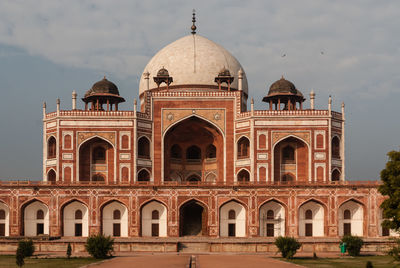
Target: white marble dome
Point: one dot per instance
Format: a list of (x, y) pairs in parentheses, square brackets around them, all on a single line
[(193, 60)]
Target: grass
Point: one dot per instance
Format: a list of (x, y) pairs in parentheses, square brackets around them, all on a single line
[(353, 262), (9, 261)]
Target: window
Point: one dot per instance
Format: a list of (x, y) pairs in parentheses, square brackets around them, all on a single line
[(270, 214), (243, 176), (231, 229), (288, 155), (39, 214), (176, 151), (309, 231), (144, 148), (2, 214), (335, 147), (335, 175), (231, 215), (347, 228), (78, 214), (243, 148), (144, 175), (211, 151), (347, 215), (270, 229), (116, 214), (193, 153), (97, 177), (51, 176), (51, 147), (99, 155), (308, 214), (155, 215), (194, 178)]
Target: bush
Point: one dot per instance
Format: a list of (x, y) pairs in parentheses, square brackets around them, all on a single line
[(354, 244), (99, 246), (369, 265), (69, 250), (287, 246), (19, 258), (26, 248), (395, 250)]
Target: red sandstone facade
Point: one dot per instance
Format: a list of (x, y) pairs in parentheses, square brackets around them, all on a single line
[(199, 161)]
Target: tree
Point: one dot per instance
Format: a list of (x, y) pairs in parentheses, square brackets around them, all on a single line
[(390, 187), (69, 250), (19, 258)]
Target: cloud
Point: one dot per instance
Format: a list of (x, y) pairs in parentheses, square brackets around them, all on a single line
[(357, 38)]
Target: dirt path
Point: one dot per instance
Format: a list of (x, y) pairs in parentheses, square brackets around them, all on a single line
[(240, 261)]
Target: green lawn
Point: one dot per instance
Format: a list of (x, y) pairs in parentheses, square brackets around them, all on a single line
[(353, 262), (9, 261)]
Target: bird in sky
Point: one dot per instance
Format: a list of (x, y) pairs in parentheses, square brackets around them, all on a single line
[(284, 55)]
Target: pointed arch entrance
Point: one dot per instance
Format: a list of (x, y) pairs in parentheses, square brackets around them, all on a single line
[(193, 145), (96, 160), (193, 219), (291, 160)]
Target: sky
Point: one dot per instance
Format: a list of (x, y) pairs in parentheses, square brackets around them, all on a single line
[(347, 49)]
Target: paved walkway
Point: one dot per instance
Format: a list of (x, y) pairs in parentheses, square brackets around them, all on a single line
[(203, 261), (240, 261), (146, 261)]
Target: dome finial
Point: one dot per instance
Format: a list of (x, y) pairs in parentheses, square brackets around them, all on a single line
[(104, 77), (282, 77), (194, 20)]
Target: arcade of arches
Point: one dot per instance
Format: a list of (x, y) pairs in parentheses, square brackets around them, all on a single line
[(193, 149), (193, 219)]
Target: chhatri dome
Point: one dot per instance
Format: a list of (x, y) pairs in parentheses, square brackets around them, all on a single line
[(192, 60)]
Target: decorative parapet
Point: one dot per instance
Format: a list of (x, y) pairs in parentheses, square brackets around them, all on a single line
[(302, 113)]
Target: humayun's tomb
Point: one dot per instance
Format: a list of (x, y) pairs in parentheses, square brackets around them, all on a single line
[(192, 166)]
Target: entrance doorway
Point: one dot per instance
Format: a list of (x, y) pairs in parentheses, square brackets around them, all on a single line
[(116, 229), (2, 229), (78, 229), (39, 228), (193, 219)]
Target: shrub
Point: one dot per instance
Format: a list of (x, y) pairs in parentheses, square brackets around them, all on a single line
[(19, 258), (369, 265), (354, 244), (287, 246), (69, 250), (26, 248), (395, 250), (99, 246)]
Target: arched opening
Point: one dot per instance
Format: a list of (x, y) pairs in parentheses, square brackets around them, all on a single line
[(291, 160), (4, 220), (51, 175), (335, 147), (311, 219), (143, 175), (211, 152), (96, 160), (243, 148), (351, 215), (193, 145), (193, 153), (154, 219), (75, 217), (232, 220), (35, 218), (176, 152), (193, 178), (384, 231), (211, 178), (51, 148), (114, 219), (272, 219), (144, 148), (192, 219), (335, 175), (243, 176)]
